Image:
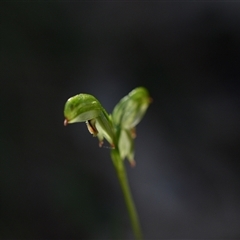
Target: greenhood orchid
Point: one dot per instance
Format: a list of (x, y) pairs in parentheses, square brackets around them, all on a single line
[(86, 108), (119, 128)]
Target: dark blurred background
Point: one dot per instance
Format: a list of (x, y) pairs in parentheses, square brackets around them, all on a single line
[(56, 183)]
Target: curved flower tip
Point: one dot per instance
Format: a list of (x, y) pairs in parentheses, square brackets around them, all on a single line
[(100, 143), (65, 123), (132, 163)]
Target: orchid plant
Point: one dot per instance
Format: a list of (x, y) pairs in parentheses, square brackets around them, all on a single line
[(118, 128)]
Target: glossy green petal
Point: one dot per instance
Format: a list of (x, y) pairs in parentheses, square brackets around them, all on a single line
[(126, 146), (86, 108), (131, 109)]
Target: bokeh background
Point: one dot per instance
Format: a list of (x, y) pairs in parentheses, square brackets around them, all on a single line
[(56, 183)]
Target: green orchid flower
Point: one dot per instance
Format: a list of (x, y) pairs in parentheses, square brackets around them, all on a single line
[(86, 108), (126, 115)]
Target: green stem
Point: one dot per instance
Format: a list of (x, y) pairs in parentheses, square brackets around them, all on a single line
[(122, 176)]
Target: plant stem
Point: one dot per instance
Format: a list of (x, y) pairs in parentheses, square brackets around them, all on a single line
[(122, 176)]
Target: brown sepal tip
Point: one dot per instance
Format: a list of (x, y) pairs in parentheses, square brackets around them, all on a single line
[(65, 123)]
